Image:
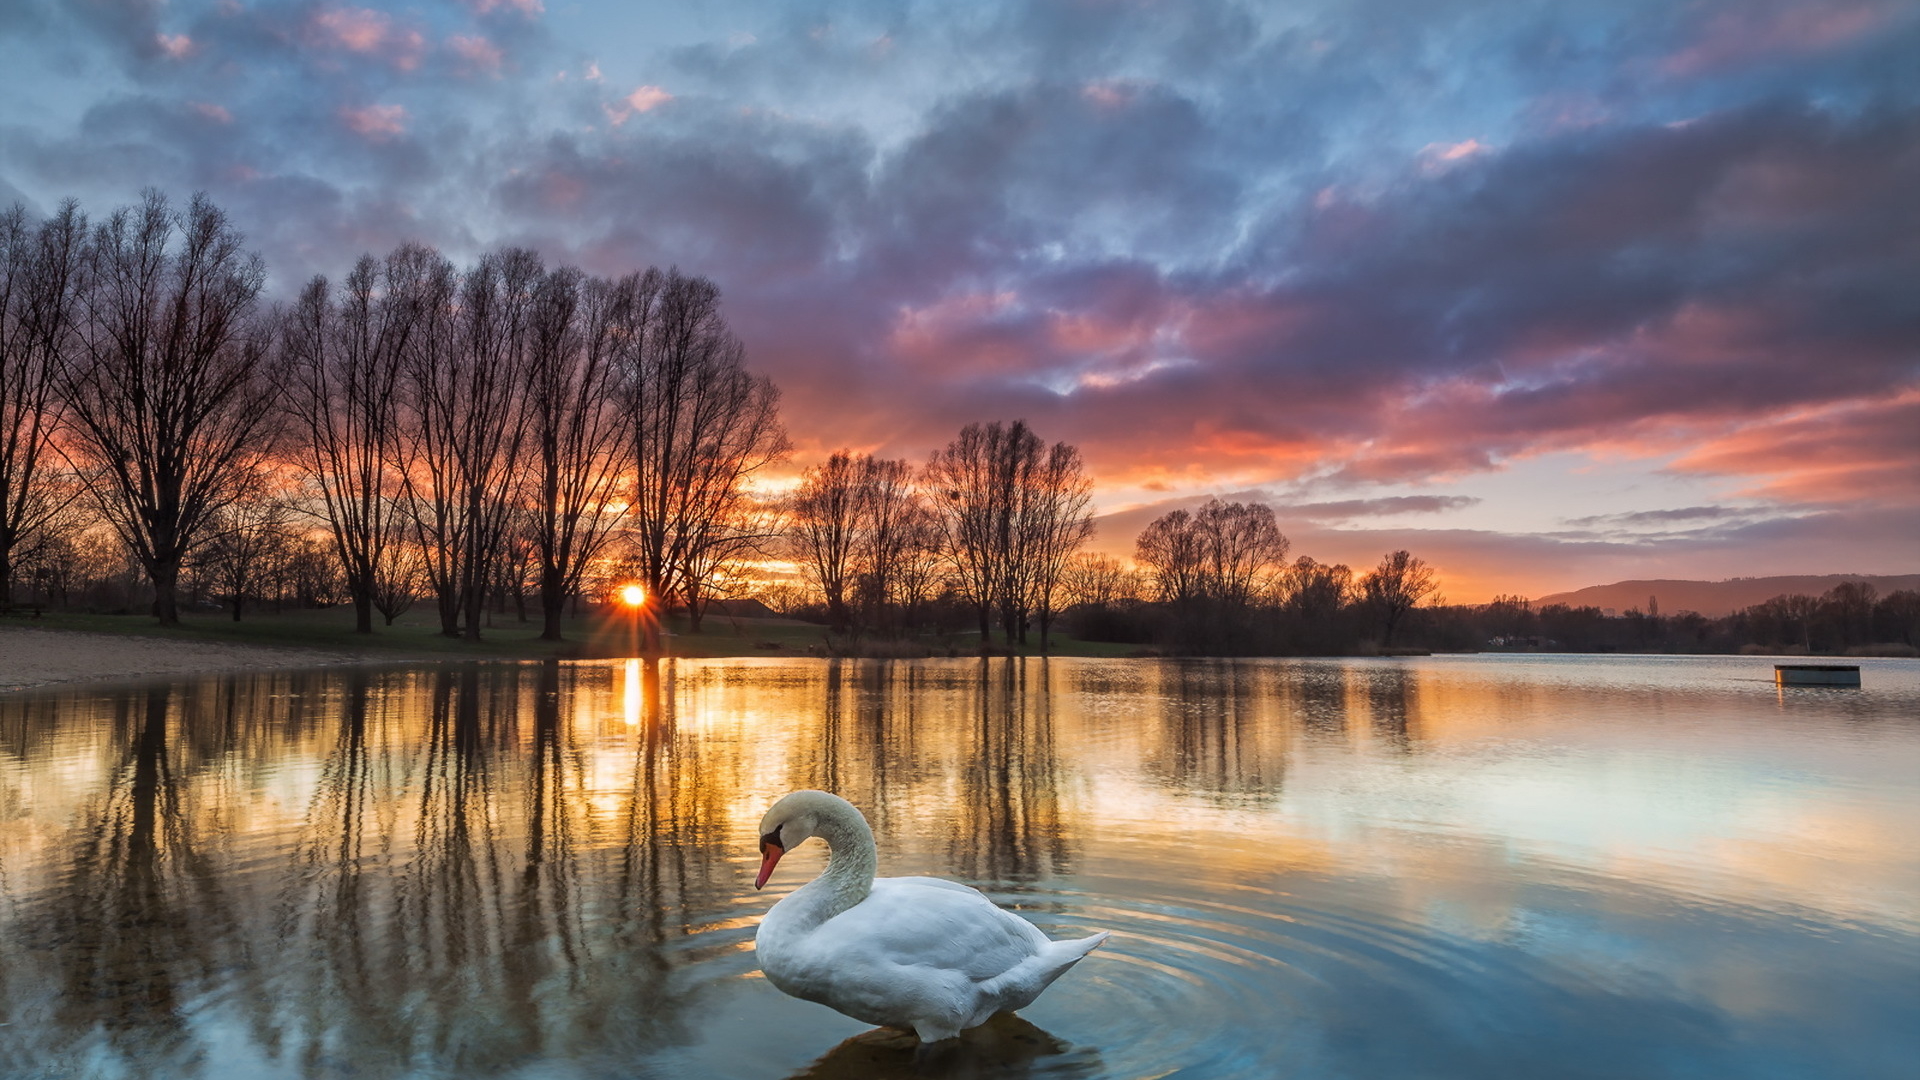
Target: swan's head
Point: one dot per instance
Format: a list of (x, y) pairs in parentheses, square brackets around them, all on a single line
[(792, 821)]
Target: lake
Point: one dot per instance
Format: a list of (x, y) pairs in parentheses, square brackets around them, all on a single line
[(1474, 866)]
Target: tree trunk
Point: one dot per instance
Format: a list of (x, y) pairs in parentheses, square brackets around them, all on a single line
[(553, 603), (165, 574)]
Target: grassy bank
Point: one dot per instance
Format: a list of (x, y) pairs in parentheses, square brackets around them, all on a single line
[(416, 636)]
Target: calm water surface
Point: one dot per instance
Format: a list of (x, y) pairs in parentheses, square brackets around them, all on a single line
[(1444, 867)]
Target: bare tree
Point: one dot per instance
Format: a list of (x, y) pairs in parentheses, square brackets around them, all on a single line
[(1315, 590), (464, 384), (1225, 552), (892, 535), (1243, 549), (582, 330), (344, 365), (1172, 553), (1055, 523), (170, 390), (245, 537), (825, 522), (974, 485), (40, 270), (1096, 580), (703, 427), (398, 576), (1396, 587)]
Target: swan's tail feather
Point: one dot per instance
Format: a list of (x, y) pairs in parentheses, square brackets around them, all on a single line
[(1019, 986), (1071, 952)]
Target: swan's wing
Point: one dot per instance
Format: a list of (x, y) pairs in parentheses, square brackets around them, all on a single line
[(931, 924), (933, 882)]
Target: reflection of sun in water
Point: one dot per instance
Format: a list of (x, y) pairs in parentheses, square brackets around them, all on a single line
[(630, 693)]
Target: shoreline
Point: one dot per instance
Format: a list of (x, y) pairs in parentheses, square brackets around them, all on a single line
[(33, 657)]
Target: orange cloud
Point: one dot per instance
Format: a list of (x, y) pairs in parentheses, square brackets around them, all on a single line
[(1858, 450)]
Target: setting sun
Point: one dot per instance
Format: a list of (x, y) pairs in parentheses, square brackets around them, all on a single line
[(633, 595)]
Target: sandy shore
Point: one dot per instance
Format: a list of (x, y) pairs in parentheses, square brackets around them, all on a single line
[(39, 657)]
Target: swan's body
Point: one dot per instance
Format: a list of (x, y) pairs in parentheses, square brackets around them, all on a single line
[(913, 952)]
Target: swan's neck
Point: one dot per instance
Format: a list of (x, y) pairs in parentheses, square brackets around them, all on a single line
[(851, 862)]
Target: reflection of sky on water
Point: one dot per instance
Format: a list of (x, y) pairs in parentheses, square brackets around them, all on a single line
[(496, 869)]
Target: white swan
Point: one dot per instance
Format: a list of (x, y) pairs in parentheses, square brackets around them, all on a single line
[(909, 952)]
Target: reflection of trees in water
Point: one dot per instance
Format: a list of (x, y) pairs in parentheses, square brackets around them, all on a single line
[(457, 949), (140, 923), (1219, 739), (671, 823), (1390, 693), (864, 744), (1322, 690), (1009, 827)]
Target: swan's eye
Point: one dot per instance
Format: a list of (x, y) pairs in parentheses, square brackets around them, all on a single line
[(773, 838)]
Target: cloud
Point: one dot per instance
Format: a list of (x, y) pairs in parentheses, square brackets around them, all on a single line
[(1390, 506), (477, 55), (1681, 516), (1726, 35), (1219, 247), (377, 123), (643, 100)]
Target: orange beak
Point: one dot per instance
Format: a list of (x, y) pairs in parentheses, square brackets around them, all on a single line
[(769, 857)]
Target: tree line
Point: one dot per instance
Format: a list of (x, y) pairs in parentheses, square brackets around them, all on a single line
[(509, 433), (1852, 617), (443, 432)]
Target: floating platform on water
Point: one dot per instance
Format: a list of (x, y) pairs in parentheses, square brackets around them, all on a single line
[(1816, 674)]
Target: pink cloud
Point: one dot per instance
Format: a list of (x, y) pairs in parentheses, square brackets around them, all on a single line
[(477, 54), (366, 32), (1436, 158), (1110, 94), (1847, 452), (529, 8), (376, 123), (644, 99), (216, 113), (1745, 31), (360, 30)]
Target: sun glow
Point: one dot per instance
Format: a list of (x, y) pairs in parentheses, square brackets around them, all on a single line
[(633, 595), (630, 690)]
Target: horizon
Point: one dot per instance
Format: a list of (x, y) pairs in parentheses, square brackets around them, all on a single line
[(1551, 298)]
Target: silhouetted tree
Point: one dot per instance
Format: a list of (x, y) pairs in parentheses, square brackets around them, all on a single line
[(344, 362), (584, 332), (826, 511), (1055, 523), (465, 386), (171, 389), (246, 536), (40, 274), (1395, 587), (703, 427)]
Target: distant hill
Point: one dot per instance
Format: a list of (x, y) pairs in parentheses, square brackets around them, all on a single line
[(1716, 598)]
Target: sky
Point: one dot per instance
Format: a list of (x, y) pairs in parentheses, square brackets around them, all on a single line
[(1551, 294)]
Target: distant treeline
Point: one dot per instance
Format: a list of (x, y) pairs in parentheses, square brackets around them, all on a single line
[(1849, 618)]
